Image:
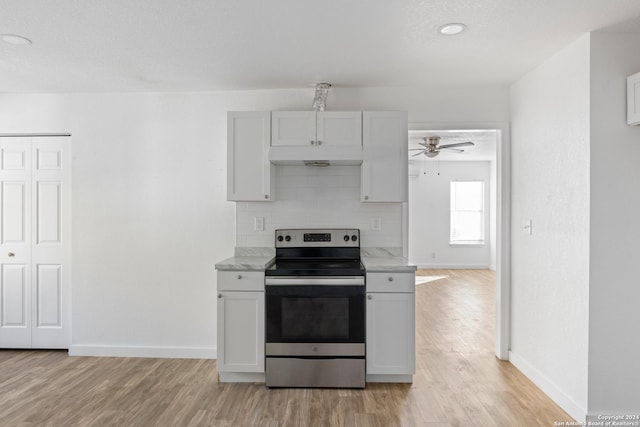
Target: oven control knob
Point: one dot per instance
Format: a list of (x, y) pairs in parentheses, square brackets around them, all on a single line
[(280, 238), (346, 238), (354, 238), (314, 348), (287, 238)]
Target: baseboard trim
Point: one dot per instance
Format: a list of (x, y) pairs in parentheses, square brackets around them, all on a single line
[(452, 266), (144, 351), (548, 387), (241, 377), (384, 378)]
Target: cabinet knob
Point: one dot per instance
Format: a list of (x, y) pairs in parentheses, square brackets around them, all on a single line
[(12, 254), (266, 196), (391, 279), (219, 295), (366, 197), (369, 296), (312, 142), (319, 142), (239, 276)]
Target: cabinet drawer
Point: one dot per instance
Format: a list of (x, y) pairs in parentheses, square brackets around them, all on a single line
[(391, 282), (240, 281)]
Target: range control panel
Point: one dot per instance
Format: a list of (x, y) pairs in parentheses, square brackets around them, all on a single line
[(309, 238)]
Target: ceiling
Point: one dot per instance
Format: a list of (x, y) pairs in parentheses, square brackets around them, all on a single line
[(484, 149), (194, 45)]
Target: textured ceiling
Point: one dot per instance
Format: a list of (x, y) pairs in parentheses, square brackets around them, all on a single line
[(174, 45)]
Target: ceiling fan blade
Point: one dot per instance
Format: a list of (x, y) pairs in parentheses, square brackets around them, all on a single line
[(416, 149), (451, 149), (458, 144), (417, 154)]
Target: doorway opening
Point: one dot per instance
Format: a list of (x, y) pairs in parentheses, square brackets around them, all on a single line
[(433, 217)]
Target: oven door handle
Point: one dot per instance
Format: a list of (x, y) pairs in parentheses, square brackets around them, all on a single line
[(325, 281)]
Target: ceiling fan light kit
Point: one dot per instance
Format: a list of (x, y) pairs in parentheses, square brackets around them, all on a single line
[(16, 39)]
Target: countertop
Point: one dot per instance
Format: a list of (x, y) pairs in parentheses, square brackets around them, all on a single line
[(246, 263), (387, 263), (373, 259)]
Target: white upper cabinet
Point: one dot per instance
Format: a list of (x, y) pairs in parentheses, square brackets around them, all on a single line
[(249, 173), (385, 157), (298, 136), (316, 129), (376, 140)]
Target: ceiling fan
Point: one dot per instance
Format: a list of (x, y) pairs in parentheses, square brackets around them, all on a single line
[(432, 146)]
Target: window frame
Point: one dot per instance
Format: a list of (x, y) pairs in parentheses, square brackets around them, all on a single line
[(482, 211)]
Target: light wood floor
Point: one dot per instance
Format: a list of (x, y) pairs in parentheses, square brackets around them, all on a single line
[(458, 382)]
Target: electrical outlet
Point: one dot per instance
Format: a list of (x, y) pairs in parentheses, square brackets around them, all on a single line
[(258, 223), (376, 224), (433, 254)]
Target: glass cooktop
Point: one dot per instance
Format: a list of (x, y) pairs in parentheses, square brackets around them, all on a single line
[(316, 267)]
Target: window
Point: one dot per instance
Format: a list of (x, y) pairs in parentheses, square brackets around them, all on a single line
[(467, 213)]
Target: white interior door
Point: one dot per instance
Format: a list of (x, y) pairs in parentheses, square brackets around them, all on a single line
[(36, 242), (15, 237)]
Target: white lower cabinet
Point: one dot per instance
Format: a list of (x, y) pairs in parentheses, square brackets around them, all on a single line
[(390, 332), (240, 326)]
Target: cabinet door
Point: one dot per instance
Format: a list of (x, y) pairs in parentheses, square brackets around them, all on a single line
[(391, 333), (51, 242), (385, 157), (240, 332), (248, 168), (339, 128), (296, 128)]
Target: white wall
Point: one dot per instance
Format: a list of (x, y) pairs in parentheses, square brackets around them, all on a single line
[(429, 214), (150, 216), (614, 347), (550, 186)]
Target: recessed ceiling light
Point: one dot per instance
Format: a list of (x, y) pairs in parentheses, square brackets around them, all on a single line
[(452, 29), (15, 39)]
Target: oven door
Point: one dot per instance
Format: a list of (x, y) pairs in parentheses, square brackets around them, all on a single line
[(315, 317)]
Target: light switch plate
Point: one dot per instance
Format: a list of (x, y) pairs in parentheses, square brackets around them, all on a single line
[(527, 227), (258, 223), (376, 224)]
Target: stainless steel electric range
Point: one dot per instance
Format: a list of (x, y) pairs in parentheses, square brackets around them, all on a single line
[(315, 310)]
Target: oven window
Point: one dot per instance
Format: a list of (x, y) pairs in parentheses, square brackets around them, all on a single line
[(315, 318), (315, 314)]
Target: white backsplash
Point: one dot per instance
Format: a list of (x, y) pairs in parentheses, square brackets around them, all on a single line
[(318, 197)]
